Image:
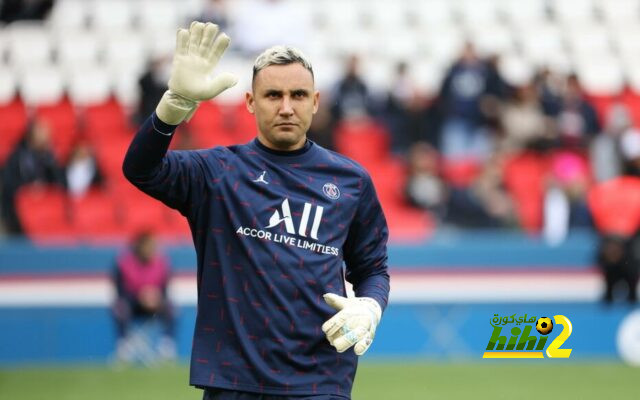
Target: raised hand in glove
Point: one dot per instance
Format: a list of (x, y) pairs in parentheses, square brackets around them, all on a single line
[(198, 51)]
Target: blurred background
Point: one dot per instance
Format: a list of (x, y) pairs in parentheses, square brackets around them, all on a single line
[(501, 137)]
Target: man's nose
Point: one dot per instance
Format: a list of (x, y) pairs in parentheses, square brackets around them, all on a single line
[(286, 107)]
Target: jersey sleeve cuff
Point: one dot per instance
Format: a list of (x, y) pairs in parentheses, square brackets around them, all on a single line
[(162, 127)]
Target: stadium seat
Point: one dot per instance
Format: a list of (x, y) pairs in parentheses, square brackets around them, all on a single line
[(61, 118), (110, 155), (615, 12), (43, 211), (126, 52), (601, 76), (519, 13), (460, 173), (140, 211), (524, 177), (77, 49), (103, 121), (94, 215), (41, 85), (8, 85), (364, 141), (606, 201), (69, 15), (158, 14), (540, 42), (431, 12), (515, 70), (89, 86), (29, 44), (573, 11), (477, 12), (111, 16), (14, 123), (491, 39)]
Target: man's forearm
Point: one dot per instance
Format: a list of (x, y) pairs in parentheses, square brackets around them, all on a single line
[(147, 148), (376, 287)]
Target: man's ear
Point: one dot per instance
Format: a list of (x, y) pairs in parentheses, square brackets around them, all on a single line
[(316, 101), (248, 98)]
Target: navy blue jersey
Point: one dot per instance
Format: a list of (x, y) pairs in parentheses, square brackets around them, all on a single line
[(273, 231)]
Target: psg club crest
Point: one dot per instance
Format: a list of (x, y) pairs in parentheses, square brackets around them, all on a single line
[(331, 191)]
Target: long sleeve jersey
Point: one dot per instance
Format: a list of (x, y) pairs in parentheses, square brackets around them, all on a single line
[(273, 231)]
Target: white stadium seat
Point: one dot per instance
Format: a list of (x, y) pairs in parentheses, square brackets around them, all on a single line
[(584, 39), (69, 15), (473, 12), (540, 42), (77, 48), (518, 13), (29, 44), (573, 11), (89, 85), (491, 39), (158, 14), (7, 85), (126, 51), (430, 12), (601, 75), (41, 85), (427, 75), (617, 11), (108, 16), (388, 14), (515, 70)]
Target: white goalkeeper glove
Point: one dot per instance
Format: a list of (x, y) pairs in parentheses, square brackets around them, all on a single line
[(354, 324), (198, 50)]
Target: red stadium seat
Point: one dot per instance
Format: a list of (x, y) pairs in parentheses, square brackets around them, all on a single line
[(14, 123), (61, 118), (44, 213), (103, 121), (615, 206), (461, 173), (94, 215), (140, 211), (524, 177), (364, 141)]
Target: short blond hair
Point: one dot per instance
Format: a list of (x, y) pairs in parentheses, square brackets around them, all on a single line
[(280, 55)]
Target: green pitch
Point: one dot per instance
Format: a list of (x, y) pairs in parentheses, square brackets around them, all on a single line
[(403, 381)]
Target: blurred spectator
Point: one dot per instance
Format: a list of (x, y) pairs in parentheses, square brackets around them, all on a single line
[(425, 188), (522, 120), (485, 203), (618, 261), (464, 134), (321, 129), (409, 116), (576, 119), (141, 277), (350, 98), (214, 11), (606, 159), (14, 10), (82, 169), (565, 205), (32, 161), (153, 84)]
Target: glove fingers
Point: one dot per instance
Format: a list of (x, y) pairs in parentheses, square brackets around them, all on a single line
[(182, 42), (349, 338), (208, 35), (220, 83), (217, 49), (195, 36), (335, 301), (333, 325), (363, 345)]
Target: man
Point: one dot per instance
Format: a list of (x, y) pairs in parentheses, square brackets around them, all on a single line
[(141, 276), (272, 221)]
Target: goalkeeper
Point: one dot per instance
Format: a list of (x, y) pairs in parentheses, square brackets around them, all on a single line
[(278, 224)]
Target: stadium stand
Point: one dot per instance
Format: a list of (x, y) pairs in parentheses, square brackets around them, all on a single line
[(78, 69)]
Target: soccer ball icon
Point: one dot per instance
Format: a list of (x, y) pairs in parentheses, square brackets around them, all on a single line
[(544, 325)]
